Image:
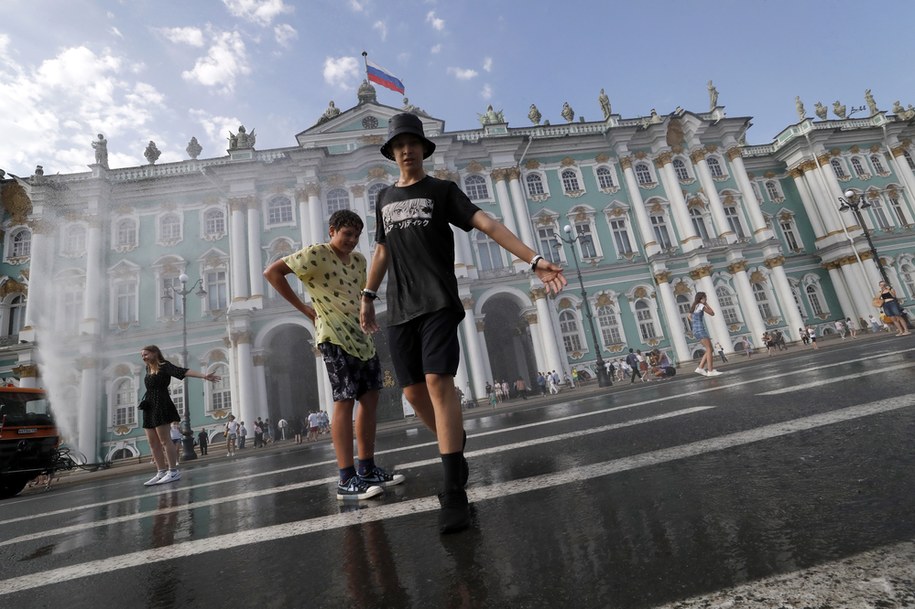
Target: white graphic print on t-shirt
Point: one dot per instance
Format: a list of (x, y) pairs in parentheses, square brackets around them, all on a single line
[(411, 212)]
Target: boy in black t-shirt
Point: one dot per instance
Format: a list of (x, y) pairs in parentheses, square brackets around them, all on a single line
[(415, 244)]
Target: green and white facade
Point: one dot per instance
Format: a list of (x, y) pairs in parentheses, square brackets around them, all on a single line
[(664, 206)]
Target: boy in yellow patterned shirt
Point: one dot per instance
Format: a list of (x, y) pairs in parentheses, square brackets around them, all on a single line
[(333, 274)]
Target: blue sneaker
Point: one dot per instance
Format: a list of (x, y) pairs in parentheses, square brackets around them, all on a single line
[(356, 488), (378, 476)]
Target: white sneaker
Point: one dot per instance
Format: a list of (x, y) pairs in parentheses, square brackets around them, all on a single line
[(155, 479), (713, 373), (701, 371), (170, 476)]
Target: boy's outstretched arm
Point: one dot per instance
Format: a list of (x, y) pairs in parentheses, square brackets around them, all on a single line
[(372, 283), (275, 274), (550, 274)]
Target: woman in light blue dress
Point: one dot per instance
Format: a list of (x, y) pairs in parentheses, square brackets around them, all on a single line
[(697, 318)]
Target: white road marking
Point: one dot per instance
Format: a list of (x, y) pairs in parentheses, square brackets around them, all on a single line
[(835, 379), (83, 526), (247, 537)]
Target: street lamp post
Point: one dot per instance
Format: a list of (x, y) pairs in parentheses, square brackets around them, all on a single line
[(855, 202), (603, 379), (187, 442)]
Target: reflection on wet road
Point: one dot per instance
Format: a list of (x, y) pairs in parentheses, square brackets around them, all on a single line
[(647, 495)]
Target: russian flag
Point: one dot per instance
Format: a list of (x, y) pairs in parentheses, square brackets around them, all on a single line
[(383, 77)]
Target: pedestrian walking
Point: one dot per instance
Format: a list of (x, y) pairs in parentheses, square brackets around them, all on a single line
[(812, 336), (720, 351), (852, 327), (242, 434), (840, 328), (888, 300), (333, 273), (202, 441), (159, 412), (231, 433), (415, 244), (698, 312), (632, 360)]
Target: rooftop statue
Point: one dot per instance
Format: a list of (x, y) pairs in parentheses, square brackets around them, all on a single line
[(838, 109), (101, 151), (329, 113), (821, 111), (799, 106), (242, 140), (604, 104), (534, 115), (712, 96), (152, 153), (567, 112), (871, 102), (491, 117), (903, 113), (408, 107), (194, 148)]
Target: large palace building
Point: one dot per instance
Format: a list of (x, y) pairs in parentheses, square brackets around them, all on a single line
[(660, 207)]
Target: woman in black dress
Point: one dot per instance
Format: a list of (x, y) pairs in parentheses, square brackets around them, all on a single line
[(159, 412)]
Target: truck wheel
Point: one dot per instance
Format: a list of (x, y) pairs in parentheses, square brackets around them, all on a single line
[(10, 486)]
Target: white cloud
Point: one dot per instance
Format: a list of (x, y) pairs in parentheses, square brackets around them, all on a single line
[(226, 60), (487, 64), (341, 71), (382, 29), (116, 32), (463, 73), (436, 49), (486, 92), (260, 12), (285, 34), (437, 23), (216, 128), (192, 36), (357, 6)]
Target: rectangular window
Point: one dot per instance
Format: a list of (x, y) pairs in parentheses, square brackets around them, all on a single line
[(660, 231), (621, 236), (585, 241), (548, 244), (126, 302), (790, 239), (217, 290), (171, 299)]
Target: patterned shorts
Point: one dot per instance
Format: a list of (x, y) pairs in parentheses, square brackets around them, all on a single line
[(350, 377)]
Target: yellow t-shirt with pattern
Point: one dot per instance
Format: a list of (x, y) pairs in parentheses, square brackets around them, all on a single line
[(334, 288)]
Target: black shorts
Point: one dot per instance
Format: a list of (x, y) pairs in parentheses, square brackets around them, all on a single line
[(350, 377), (427, 344)]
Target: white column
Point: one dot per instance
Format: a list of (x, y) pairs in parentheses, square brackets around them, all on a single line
[(301, 196), (316, 228), (39, 275), (669, 306), (238, 255), (519, 202), (462, 378), (842, 292), (761, 230), (689, 240), (638, 206), (260, 384), (783, 293), (747, 300), (826, 191), (861, 292), (907, 176), (480, 324), (810, 206), (534, 330), (361, 207), (87, 416), (499, 177), (476, 366), (91, 309), (255, 260), (553, 357), (718, 328), (722, 228), (463, 257), (247, 405)]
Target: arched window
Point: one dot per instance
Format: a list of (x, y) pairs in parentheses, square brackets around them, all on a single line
[(571, 337), (698, 220), (762, 301), (489, 252), (337, 199), (609, 323), (838, 169), (604, 178), (570, 181), (170, 228), (373, 191), (214, 223), (75, 240), (772, 191), (475, 187), (621, 236), (878, 164), (680, 169), (857, 166), (661, 234), (714, 167), (728, 309), (279, 210), (221, 390), (813, 296), (125, 233), (534, 185), (125, 403), (733, 217), (907, 275), (643, 174), (22, 244), (683, 307), (645, 319)]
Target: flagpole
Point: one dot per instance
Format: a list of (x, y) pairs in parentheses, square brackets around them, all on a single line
[(365, 63)]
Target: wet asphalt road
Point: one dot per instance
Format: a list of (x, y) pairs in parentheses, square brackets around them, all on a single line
[(644, 496)]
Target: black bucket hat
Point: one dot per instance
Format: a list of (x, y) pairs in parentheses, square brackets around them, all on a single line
[(406, 123)]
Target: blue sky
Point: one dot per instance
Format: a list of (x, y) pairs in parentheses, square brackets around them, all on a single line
[(166, 70)]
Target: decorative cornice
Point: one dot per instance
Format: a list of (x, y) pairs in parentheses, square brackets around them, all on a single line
[(537, 293), (663, 158), (808, 165), (626, 162), (467, 303), (358, 190), (774, 261), (513, 173), (739, 266), (700, 272), (734, 153), (662, 277), (313, 189)]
